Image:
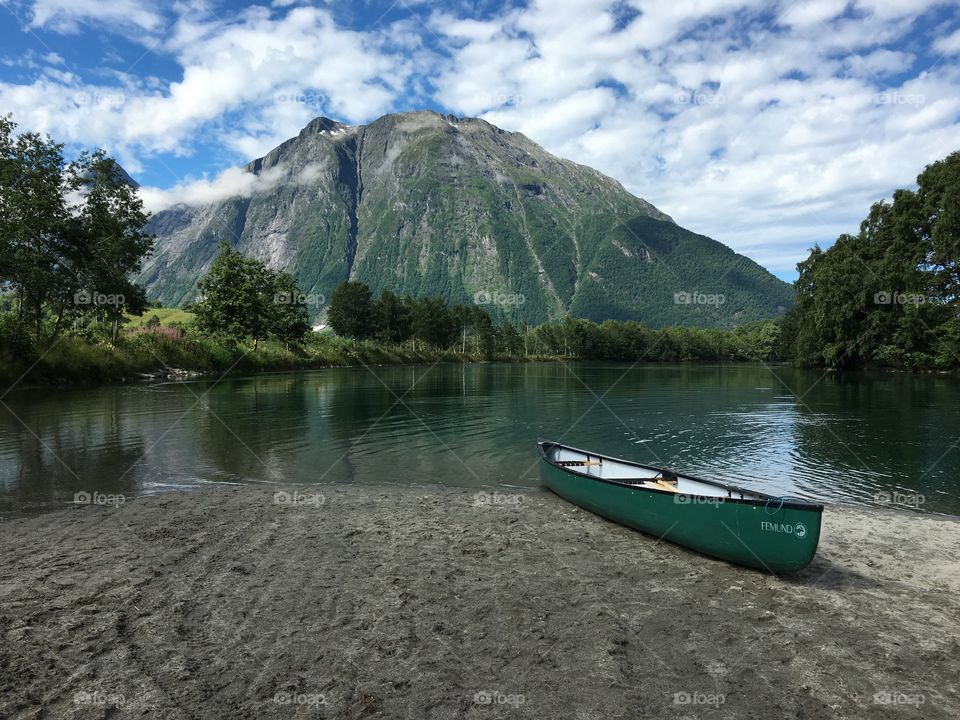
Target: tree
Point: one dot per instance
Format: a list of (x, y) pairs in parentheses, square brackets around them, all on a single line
[(352, 313), (473, 321), (289, 319), (70, 236), (887, 295), (938, 197), (461, 315), (112, 242), (394, 323), (481, 326), (939, 210), (34, 221), (433, 322), (236, 297), (553, 338), (508, 339), (244, 299)]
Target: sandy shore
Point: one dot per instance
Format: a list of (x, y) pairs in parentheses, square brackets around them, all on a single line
[(417, 603)]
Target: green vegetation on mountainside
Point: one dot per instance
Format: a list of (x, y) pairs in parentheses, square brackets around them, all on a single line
[(431, 205)]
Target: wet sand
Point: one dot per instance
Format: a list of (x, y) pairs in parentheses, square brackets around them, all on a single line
[(422, 603)]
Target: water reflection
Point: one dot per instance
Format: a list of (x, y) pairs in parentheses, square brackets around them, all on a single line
[(828, 436), (253, 429)]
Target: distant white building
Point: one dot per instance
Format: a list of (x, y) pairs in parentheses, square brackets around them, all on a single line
[(319, 328)]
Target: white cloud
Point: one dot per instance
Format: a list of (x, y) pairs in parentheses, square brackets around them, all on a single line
[(879, 63), (660, 22), (66, 16), (815, 12), (895, 9), (255, 66), (234, 182), (242, 65), (949, 44)]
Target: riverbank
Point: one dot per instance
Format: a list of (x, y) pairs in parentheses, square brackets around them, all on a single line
[(160, 355), (359, 602), (178, 349)]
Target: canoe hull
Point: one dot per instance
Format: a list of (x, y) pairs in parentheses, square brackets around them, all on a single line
[(762, 536)]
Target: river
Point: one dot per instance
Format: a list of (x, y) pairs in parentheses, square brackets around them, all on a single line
[(873, 439)]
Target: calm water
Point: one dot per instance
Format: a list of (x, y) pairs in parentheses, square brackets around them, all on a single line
[(841, 438)]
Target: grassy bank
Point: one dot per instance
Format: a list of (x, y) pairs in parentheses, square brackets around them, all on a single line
[(167, 341), (165, 317), (163, 352), (173, 347)]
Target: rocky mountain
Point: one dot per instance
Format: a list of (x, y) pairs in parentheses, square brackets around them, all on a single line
[(431, 204)]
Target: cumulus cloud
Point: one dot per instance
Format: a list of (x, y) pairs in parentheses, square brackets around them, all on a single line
[(949, 44), (259, 66), (231, 183), (66, 16), (813, 13)]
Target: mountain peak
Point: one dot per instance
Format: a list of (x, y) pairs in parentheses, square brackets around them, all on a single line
[(325, 125)]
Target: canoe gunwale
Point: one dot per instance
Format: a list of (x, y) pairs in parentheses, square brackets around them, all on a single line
[(763, 502)]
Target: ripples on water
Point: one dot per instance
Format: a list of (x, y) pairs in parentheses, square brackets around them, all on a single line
[(838, 438)]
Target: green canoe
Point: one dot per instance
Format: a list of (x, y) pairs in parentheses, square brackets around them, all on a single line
[(740, 526)]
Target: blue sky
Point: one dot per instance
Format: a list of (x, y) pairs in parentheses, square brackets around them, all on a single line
[(770, 126)]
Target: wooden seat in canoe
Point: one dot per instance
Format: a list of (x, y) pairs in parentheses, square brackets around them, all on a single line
[(661, 485), (578, 463)]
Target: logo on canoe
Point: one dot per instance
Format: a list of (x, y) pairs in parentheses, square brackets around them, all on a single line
[(799, 530)]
